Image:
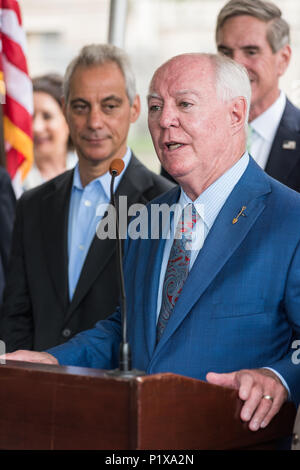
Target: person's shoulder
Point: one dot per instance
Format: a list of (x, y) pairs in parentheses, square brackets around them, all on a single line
[(286, 198), (147, 178), (291, 115), (4, 176), (38, 192)]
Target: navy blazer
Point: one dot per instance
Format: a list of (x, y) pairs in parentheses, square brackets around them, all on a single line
[(239, 307), (284, 159)]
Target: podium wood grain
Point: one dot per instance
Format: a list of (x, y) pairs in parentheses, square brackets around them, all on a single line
[(52, 407)]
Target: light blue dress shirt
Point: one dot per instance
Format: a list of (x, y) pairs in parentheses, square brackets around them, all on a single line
[(208, 206), (83, 218)]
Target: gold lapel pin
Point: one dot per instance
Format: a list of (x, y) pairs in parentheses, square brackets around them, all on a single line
[(241, 213)]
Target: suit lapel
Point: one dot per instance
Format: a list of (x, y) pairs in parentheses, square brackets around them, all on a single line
[(284, 154), (54, 222), (221, 243), (134, 182)]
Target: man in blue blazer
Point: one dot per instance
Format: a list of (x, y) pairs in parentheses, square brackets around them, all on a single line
[(254, 34), (236, 318)]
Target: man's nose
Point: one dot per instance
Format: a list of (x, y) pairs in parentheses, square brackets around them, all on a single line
[(95, 118), (168, 117)]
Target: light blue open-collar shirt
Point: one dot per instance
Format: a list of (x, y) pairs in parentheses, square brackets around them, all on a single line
[(83, 218)]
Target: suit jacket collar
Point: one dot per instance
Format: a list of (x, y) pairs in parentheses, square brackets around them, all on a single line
[(282, 161), (54, 220), (221, 243), (135, 181), (55, 210)]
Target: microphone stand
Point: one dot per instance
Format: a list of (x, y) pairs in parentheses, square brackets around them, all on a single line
[(125, 367)]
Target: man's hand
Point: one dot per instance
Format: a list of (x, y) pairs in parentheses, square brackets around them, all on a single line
[(260, 389), (30, 356)]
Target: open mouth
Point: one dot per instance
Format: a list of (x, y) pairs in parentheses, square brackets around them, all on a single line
[(173, 145)]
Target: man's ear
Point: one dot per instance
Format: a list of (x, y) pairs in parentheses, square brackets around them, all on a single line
[(238, 113), (283, 57), (135, 109)]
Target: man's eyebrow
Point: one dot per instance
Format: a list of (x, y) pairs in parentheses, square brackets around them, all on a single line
[(75, 100), (222, 46), (247, 47), (178, 93), (112, 98)]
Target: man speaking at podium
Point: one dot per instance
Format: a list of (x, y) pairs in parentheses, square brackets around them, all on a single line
[(221, 302)]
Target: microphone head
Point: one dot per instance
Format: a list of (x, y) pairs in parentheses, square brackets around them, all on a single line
[(116, 166)]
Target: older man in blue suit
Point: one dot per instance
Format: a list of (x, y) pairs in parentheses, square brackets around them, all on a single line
[(221, 302)]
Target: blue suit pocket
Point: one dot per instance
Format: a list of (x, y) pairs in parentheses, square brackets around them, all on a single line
[(240, 309)]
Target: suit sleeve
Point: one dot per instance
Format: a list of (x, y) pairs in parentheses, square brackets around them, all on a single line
[(16, 322), (288, 367), (97, 348)]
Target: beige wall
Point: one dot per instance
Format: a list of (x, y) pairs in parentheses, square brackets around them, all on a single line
[(156, 30)]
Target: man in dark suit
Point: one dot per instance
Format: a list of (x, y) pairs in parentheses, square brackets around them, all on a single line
[(62, 278), (253, 33), (7, 215)]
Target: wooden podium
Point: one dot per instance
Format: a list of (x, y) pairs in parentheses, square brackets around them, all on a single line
[(52, 407)]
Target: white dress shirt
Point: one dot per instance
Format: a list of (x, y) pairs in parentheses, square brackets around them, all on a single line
[(263, 130)]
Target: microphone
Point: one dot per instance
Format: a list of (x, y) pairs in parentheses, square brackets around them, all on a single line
[(125, 367)]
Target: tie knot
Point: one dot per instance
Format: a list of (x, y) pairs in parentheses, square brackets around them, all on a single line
[(186, 223)]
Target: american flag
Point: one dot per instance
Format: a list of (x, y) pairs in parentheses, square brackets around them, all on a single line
[(15, 92)]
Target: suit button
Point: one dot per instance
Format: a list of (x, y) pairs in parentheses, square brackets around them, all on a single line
[(66, 333)]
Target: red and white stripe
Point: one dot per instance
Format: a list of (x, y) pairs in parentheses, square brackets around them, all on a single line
[(18, 99)]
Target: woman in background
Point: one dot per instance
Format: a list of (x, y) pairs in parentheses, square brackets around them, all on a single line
[(52, 146)]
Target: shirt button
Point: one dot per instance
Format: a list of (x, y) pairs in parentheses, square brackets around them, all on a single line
[(66, 333), (87, 203), (81, 247)]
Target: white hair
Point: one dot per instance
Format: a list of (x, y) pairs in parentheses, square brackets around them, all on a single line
[(232, 80)]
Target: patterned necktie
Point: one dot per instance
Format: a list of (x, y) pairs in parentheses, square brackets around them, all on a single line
[(178, 266)]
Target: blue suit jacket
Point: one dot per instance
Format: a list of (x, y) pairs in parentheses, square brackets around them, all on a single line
[(7, 216), (240, 306)]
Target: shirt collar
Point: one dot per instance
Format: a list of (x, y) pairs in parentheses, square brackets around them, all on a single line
[(103, 180), (267, 123), (211, 201)]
